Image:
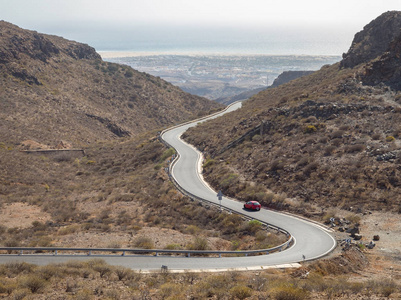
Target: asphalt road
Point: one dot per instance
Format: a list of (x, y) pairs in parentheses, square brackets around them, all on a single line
[(311, 240)]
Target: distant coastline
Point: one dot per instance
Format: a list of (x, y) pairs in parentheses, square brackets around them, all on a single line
[(120, 54), (217, 76)]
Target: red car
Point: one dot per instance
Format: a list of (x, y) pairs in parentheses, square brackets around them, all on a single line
[(255, 205)]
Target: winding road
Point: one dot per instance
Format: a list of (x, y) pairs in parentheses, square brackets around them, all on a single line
[(312, 241)]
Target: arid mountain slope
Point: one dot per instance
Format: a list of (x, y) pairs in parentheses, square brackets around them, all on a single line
[(373, 40), (327, 138), (287, 76), (52, 89)]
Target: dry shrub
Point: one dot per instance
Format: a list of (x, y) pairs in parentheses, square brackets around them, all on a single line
[(303, 161), (376, 136), (84, 294), (16, 268), (329, 150), (353, 218), (192, 229), (277, 164), (199, 243), (173, 247), (32, 282), (102, 268), (144, 243), (122, 272), (7, 286), (49, 271), (172, 291), (310, 168), (112, 294), (337, 134), (384, 287), (354, 148), (214, 286), (20, 294), (240, 292), (290, 292)]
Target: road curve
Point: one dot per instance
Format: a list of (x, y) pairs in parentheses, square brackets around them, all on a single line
[(311, 240)]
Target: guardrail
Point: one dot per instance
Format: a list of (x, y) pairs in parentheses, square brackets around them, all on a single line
[(125, 251)]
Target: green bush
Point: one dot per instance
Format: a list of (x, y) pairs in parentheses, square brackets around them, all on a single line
[(390, 138), (253, 226), (208, 163), (166, 154), (310, 129)]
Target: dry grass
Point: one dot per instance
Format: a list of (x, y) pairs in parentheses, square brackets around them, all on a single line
[(96, 279), (114, 191)]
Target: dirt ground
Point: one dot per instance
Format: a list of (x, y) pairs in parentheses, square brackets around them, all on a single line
[(385, 257), (21, 215), (161, 237)]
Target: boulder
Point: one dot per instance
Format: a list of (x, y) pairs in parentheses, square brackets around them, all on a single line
[(371, 245)]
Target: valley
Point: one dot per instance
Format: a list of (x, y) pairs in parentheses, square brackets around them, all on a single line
[(324, 147), (218, 77)]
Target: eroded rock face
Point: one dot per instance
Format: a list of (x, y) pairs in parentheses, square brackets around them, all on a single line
[(374, 40), (387, 68)]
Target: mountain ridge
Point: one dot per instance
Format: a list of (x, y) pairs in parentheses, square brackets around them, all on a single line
[(54, 89)]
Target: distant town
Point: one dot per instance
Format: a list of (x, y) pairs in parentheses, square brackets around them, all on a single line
[(217, 77)]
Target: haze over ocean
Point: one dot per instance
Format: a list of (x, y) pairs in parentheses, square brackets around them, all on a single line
[(224, 42)]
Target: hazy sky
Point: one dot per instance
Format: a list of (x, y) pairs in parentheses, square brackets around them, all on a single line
[(98, 21)]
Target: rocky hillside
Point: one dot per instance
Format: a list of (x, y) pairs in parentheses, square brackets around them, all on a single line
[(53, 89), (373, 40), (287, 76), (331, 138)]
